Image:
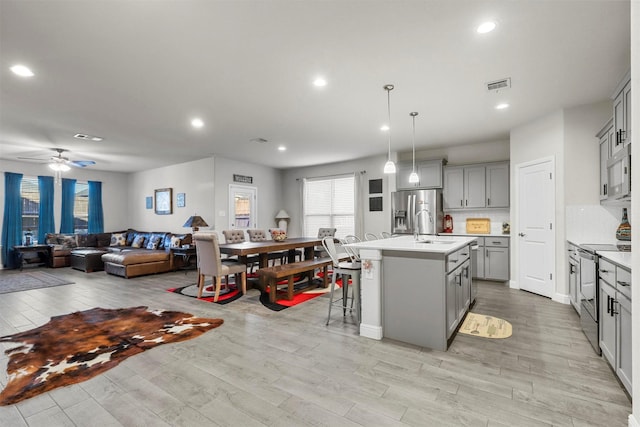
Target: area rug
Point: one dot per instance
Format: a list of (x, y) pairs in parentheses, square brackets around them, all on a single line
[(26, 280), (228, 293), (305, 296), (76, 347), (481, 325)]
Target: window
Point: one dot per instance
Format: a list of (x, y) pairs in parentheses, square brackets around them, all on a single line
[(30, 197), (81, 208), (329, 202)]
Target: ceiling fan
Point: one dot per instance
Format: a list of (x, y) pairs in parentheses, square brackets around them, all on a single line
[(58, 162)]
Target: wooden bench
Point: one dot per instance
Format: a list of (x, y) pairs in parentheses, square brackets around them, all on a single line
[(273, 275)]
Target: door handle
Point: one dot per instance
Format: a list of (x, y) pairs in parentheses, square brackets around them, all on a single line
[(521, 234)]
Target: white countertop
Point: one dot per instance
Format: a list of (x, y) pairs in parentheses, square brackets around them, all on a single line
[(621, 258), (441, 244)]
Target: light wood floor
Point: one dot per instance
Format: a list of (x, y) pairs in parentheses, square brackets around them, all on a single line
[(288, 369)]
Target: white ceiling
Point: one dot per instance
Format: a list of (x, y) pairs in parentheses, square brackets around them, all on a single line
[(136, 72)]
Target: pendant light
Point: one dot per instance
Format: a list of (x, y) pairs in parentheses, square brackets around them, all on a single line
[(413, 178), (389, 167)]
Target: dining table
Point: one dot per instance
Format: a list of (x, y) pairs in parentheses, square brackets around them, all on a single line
[(262, 249)]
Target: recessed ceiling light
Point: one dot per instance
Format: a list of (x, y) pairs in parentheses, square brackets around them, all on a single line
[(22, 71), (282, 148), (384, 128), (502, 106), (320, 82), (486, 27), (197, 123), (96, 138)]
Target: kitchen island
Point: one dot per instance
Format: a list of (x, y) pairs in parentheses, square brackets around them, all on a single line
[(412, 291)]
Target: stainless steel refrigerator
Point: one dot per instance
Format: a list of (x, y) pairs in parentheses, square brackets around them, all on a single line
[(416, 211)]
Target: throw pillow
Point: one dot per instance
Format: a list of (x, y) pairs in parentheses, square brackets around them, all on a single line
[(118, 239), (154, 242), (138, 242), (176, 242), (69, 242)]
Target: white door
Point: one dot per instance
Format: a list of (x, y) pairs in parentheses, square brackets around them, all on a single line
[(535, 240), (243, 207)]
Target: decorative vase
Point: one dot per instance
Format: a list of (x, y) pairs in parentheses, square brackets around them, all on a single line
[(624, 229)]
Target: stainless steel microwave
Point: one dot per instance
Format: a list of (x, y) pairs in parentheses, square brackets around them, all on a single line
[(619, 174)]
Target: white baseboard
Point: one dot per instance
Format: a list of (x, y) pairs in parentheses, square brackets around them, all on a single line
[(370, 331), (513, 284), (633, 422), (561, 298)]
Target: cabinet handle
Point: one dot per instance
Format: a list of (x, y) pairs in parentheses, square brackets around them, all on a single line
[(464, 254), (488, 202), (623, 283), (466, 202), (623, 136), (605, 190), (461, 203), (618, 137), (613, 307), (608, 304)]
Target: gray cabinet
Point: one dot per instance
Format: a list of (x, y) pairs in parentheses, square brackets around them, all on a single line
[(429, 174), (606, 139), (622, 114), (476, 186), (458, 292), (615, 319), (573, 272), (497, 182), (492, 261)]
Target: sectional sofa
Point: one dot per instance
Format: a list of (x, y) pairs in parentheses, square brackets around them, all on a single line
[(127, 253)]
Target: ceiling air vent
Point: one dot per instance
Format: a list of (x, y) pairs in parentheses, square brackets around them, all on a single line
[(81, 136), (499, 84), (258, 140)]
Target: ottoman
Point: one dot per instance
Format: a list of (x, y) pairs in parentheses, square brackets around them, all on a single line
[(87, 260)]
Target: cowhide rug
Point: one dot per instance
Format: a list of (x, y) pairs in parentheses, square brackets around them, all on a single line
[(76, 347)]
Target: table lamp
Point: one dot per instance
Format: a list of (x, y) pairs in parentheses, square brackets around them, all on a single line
[(195, 222), (282, 217)]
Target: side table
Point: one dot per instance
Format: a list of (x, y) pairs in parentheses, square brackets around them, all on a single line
[(42, 251), (188, 255)]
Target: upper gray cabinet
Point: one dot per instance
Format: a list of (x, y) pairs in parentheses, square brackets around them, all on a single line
[(622, 114), (606, 139), (429, 174), (497, 178), (476, 186)]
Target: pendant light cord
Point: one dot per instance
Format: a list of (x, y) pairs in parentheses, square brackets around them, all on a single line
[(413, 116), (389, 118)]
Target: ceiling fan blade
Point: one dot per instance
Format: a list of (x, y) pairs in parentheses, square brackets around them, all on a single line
[(33, 158), (81, 163)]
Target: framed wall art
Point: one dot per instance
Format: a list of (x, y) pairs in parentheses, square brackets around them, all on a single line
[(180, 200), (148, 201), (164, 201)]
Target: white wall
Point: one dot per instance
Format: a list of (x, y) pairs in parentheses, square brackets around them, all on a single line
[(195, 179), (373, 222), (539, 139), (490, 151), (581, 124), (267, 180), (114, 190)]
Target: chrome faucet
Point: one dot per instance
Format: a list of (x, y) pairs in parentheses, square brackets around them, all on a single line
[(416, 228)]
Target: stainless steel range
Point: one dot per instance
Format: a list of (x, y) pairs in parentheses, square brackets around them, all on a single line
[(589, 288)]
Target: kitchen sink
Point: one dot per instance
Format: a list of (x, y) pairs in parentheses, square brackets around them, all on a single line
[(435, 242)]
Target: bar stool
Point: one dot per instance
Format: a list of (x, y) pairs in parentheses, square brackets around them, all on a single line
[(346, 269)]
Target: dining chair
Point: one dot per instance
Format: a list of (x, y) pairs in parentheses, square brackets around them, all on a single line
[(323, 232), (258, 235), (347, 269), (385, 235), (370, 236), (211, 264), (237, 236)]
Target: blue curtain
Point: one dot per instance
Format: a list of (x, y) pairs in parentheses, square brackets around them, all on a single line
[(12, 222), (68, 197), (46, 222), (96, 220)]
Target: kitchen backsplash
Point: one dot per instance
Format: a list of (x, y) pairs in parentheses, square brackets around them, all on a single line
[(593, 223), (496, 216)]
